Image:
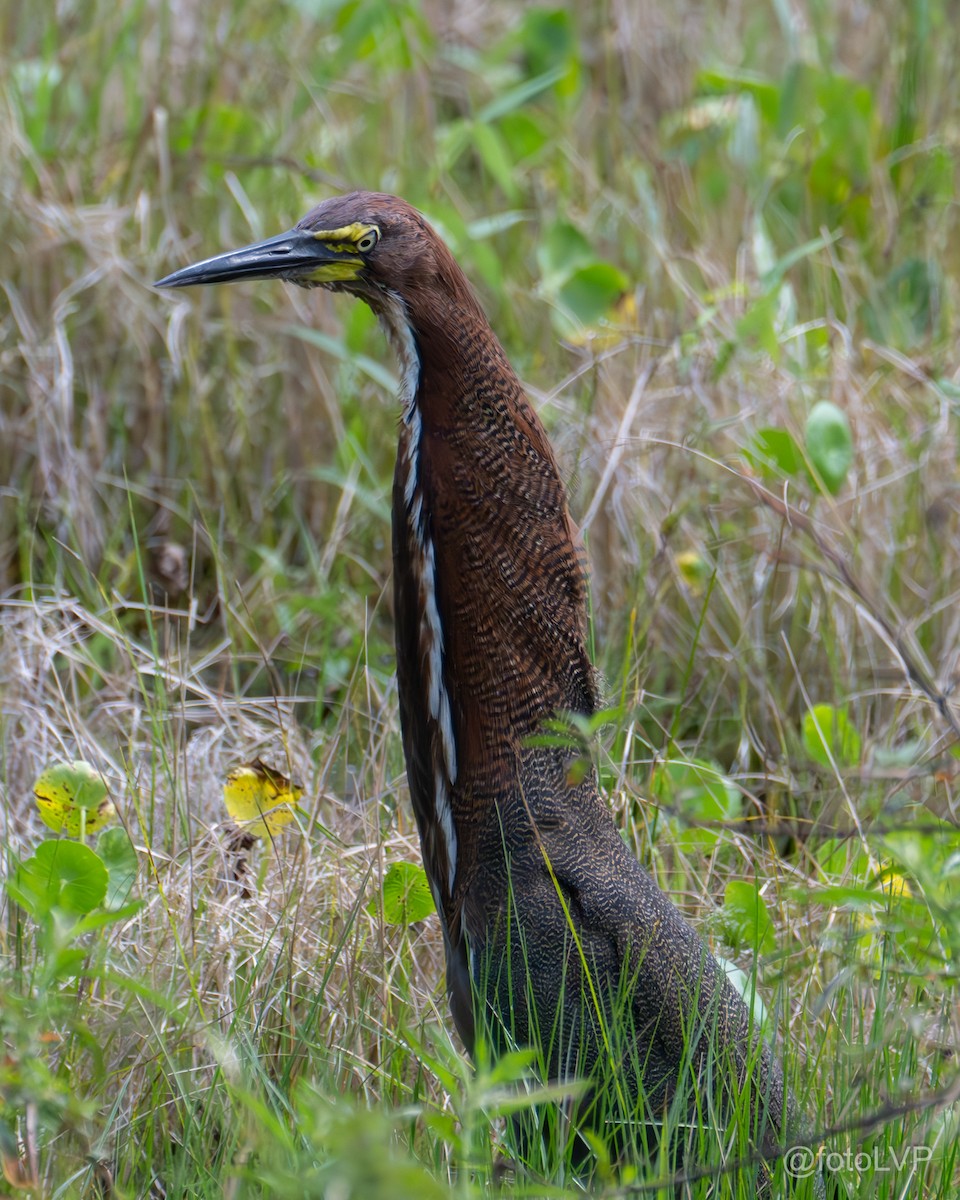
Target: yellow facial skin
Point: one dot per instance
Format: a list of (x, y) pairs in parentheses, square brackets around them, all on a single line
[(346, 241), (333, 272)]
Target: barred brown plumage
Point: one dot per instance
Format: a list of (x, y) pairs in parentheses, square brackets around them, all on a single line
[(554, 934)]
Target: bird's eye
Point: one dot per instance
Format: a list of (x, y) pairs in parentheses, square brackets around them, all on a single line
[(368, 241)]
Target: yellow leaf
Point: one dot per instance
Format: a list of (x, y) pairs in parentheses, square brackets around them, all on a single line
[(260, 800), (695, 570), (892, 883), (72, 799)]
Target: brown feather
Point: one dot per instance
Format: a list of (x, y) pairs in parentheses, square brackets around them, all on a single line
[(545, 890), (554, 935)]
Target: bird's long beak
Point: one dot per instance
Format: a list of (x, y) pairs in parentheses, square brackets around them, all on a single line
[(299, 256)]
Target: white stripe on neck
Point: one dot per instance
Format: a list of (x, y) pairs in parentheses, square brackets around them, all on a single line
[(396, 322)]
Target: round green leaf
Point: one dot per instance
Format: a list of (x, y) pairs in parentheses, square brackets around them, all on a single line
[(829, 444), (697, 791), (65, 875), (406, 895), (592, 291), (77, 784), (72, 799)]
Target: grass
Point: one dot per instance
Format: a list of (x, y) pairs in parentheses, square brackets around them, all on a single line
[(688, 228)]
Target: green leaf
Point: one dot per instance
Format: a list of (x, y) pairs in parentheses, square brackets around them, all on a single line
[(452, 139), (232, 127), (697, 791), (562, 250), (512, 1067), (765, 95), (492, 224), (757, 327), (773, 275), (406, 895), (60, 875), (72, 799), (524, 134), (746, 919), (830, 737), (337, 349), (549, 37), (493, 153), (829, 444), (592, 291), (120, 859), (516, 97), (775, 452), (915, 288), (842, 859)]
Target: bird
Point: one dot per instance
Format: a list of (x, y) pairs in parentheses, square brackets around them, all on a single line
[(555, 938)]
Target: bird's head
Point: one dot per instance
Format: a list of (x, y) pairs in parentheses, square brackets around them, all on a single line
[(366, 243)]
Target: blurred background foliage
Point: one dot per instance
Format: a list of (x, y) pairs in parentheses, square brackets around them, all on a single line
[(757, 182), (720, 245)]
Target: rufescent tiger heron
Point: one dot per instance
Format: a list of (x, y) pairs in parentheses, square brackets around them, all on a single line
[(555, 937)]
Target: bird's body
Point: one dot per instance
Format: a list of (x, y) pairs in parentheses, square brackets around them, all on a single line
[(554, 934)]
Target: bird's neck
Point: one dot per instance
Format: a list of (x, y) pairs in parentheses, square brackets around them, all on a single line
[(483, 508), (490, 597), (446, 352)]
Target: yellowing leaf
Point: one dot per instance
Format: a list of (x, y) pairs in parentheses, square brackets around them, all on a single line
[(260, 800), (892, 883), (867, 921), (695, 570), (72, 799)]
